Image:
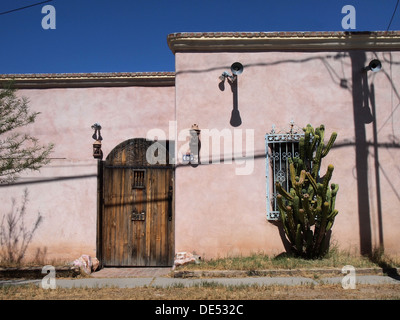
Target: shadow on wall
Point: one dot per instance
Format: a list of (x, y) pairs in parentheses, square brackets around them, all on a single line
[(362, 116), (235, 120)]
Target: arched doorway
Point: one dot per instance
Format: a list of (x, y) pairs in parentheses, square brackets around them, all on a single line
[(136, 204)]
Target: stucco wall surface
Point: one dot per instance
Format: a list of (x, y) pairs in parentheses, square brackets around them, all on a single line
[(65, 191), (221, 207)]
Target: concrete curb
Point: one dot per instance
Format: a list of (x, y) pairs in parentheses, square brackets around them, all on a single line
[(36, 272), (73, 272), (164, 282), (279, 272)]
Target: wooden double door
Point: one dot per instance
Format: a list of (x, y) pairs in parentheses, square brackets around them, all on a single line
[(136, 205)]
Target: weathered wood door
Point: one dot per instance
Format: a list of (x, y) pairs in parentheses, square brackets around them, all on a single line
[(137, 205)]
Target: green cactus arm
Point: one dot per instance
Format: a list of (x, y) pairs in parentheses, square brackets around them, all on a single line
[(332, 215), (317, 161), (312, 181), (300, 165), (283, 218), (328, 198), (283, 192), (325, 210), (299, 240), (302, 147), (279, 201), (310, 191), (292, 172), (298, 211), (303, 218), (316, 139), (331, 220), (301, 178), (315, 169), (326, 180), (306, 206), (329, 145), (334, 190), (322, 227), (290, 222), (320, 199), (319, 148), (307, 135), (321, 131), (281, 207), (286, 222)]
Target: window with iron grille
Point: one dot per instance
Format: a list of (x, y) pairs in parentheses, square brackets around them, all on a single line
[(280, 147)]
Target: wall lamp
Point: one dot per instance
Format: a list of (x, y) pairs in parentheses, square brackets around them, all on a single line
[(236, 69), (374, 66), (97, 152), (192, 156)]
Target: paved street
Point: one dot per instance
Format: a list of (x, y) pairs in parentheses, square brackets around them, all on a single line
[(160, 277)]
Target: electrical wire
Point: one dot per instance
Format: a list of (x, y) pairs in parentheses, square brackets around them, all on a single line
[(32, 5), (394, 12)]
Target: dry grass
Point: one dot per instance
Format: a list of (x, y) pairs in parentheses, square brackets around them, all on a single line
[(207, 291), (259, 261), (214, 291)]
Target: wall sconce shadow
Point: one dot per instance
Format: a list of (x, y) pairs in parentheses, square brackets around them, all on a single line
[(236, 120), (236, 69)]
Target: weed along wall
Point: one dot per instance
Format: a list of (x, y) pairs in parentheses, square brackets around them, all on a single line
[(184, 153), (304, 78)]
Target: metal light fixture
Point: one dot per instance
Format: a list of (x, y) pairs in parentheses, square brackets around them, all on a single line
[(97, 152), (374, 66), (236, 69), (192, 156)]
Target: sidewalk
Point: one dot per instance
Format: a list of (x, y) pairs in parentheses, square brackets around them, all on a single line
[(163, 277)]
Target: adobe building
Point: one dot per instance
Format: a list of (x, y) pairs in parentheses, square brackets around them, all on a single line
[(156, 192)]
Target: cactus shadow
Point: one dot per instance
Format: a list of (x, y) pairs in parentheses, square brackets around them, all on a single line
[(286, 244)]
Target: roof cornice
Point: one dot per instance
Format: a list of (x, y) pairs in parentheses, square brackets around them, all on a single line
[(85, 80), (283, 41)]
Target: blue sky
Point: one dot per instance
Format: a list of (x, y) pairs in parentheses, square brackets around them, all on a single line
[(130, 35)]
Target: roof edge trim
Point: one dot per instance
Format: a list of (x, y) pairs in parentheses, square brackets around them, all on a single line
[(85, 80), (282, 41)]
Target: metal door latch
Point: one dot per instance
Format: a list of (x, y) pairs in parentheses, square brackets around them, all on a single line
[(138, 216)]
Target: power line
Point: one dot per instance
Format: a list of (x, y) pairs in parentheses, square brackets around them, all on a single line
[(394, 12), (32, 5)]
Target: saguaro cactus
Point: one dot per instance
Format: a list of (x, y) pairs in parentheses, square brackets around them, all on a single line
[(307, 210)]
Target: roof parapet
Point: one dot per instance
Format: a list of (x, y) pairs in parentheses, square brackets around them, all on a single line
[(283, 41), (84, 80)]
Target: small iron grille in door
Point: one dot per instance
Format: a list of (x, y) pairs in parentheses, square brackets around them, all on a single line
[(280, 147), (138, 179)]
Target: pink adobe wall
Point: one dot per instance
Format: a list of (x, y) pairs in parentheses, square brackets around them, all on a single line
[(220, 213), (68, 206), (217, 211)]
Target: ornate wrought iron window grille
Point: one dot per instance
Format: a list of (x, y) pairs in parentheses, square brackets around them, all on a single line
[(280, 147)]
